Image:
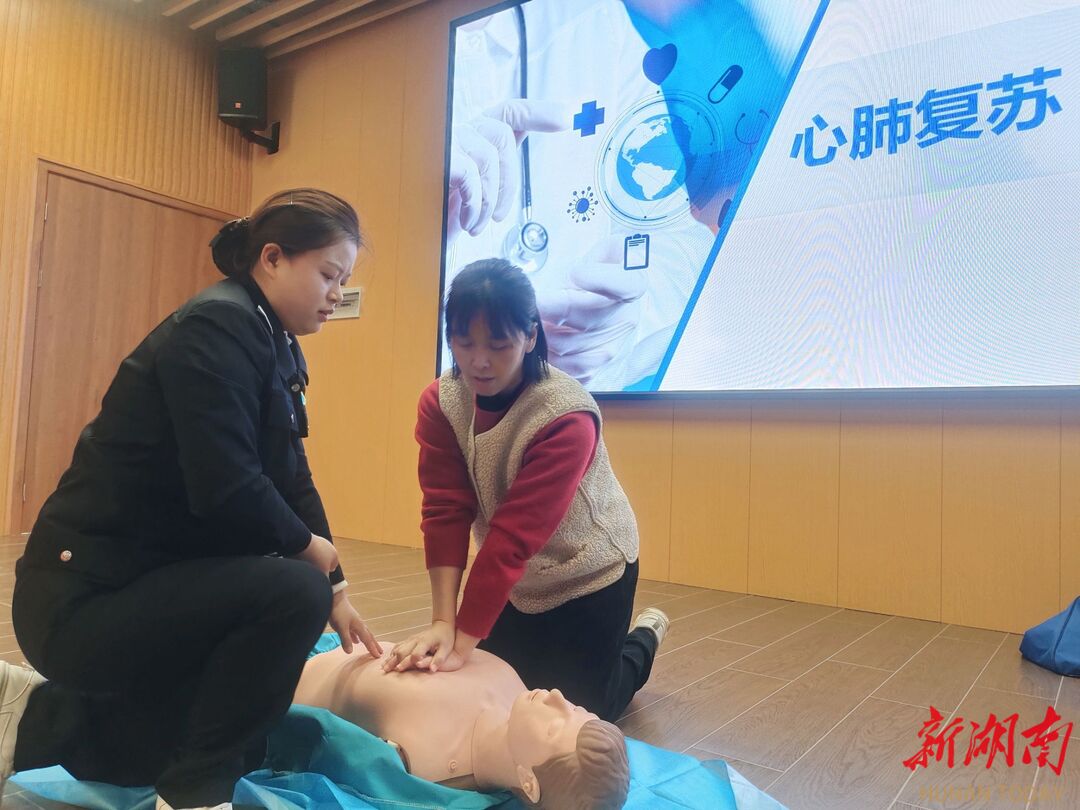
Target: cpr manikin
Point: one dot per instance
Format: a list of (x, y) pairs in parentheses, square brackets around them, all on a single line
[(477, 727)]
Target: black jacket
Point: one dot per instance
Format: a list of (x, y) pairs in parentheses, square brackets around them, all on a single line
[(196, 452)]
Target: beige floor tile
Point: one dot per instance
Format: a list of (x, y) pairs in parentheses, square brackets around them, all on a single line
[(792, 656), (400, 562), (674, 670), (390, 590), (673, 588), (776, 624), (890, 645), (684, 606), (972, 634), (1009, 671), (679, 721), (940, 675), (419, 577), (400, 595), (1068, 705), (974, 785), (645, 599), (858, 765), (860, 617), (758, 775), (697, 602), (366, 545), (695, 693), (370, 586), (1058, 792), (381, 626), (784, 726), (13, 657), (372, 608), (716, 620), (362, 580), (9, 646), (392, 566)]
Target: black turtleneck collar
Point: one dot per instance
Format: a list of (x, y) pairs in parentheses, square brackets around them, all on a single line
[(501, 401), (259, 297)]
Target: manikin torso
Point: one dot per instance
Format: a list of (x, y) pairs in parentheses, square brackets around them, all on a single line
[(430, 716)]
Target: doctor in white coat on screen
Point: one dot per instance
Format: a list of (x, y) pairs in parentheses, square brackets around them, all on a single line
[(595, 312)]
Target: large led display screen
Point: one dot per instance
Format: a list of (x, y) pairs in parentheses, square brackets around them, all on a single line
[(772, 195)]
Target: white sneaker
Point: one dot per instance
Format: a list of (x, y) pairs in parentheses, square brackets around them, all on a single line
[(16, 684), (654, 619), (164, 805)]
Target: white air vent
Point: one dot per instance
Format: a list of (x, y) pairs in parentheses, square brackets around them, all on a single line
[(349, 306)]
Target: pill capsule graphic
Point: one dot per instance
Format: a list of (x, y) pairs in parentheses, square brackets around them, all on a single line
[(728, 79)]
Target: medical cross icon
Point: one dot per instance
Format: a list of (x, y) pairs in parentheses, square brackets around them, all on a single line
[(589, 118)]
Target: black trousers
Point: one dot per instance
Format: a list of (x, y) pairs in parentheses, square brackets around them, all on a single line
[(580, 648), (171, 681)]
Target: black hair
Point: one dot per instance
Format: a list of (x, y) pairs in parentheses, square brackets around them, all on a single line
[(502, 294), (297, 220)]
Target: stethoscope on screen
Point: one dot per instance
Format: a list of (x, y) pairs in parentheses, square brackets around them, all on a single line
[(526, 244)]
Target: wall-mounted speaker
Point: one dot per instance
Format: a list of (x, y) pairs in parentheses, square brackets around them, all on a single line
[(241, 77)]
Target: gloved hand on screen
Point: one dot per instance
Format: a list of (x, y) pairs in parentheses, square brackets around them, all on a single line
[(485, 164)]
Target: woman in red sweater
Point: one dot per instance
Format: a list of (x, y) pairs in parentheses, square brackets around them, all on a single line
[(512, 449)]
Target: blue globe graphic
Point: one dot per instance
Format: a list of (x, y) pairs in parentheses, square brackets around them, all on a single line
[(651, 163)]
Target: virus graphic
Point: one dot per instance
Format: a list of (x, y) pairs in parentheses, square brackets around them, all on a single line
[(582, 205)]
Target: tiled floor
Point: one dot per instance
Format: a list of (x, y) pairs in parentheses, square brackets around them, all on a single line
[(819, 706)]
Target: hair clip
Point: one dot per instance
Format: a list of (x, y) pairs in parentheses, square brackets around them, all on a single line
[(228, 229)]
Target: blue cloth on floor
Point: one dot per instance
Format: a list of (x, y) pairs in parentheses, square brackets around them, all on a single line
[(317, 761), (1055, 644)]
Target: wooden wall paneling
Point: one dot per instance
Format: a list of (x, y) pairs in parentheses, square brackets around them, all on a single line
[(182, 262), (794, 484), (422, 53), (1001, 489), (350, 360), (355, 352), (710, 495), (890, 507), (1070, 501), (638, 436), (17, 233), (298, 91), (348, 106), (299, 153)]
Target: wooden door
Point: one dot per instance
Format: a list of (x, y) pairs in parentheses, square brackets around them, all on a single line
[(112, 266)]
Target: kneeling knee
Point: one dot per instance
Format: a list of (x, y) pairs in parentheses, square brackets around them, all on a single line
[(304, 592)]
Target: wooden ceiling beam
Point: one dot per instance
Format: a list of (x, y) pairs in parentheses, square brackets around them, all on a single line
[(356, 21), (259, 18), (319, 16), (177, 6), (222, 8), (325, 21)]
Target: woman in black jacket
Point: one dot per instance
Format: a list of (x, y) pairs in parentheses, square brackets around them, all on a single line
[(186, 552)]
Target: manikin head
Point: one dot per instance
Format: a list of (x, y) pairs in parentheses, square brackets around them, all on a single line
[(566, 758)]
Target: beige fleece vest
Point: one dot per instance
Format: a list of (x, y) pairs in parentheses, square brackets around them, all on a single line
[(598, 536)]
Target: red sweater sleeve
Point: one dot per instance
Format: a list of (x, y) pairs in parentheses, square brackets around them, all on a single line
[(551, 470), (449, 504)]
